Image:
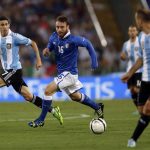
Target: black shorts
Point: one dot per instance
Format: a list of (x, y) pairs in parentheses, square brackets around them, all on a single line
[(135, 80), (14, 78), (144, 93)]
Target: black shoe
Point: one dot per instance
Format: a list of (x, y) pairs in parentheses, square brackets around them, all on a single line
[(100, 111), (36, 123)]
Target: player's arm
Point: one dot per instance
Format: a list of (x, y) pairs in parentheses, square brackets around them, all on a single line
[(138, 64), (123, 55), (49, 48), (38, 58), (22, 40), (83, 42)]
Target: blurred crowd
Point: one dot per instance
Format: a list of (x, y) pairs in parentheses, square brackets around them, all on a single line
[(36, 20)]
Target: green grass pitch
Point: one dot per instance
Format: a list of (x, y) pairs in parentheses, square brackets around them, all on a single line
[(120, 116)]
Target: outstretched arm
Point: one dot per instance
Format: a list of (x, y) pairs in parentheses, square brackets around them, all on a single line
[(123, 56), (38, 58), (46, 52), (83, 42), (138, 64)]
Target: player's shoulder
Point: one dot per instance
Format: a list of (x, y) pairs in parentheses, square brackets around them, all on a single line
[(53, 36), (16, 35), (77, 38), (141, 34), (126, 42)]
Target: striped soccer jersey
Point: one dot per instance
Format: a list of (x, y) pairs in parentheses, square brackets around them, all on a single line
[(9, 50), (144, 40), (132, 50)]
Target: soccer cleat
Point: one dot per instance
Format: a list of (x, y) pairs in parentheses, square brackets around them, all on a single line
[(57, 114), (131, 143), (36, 123), (100, 111)]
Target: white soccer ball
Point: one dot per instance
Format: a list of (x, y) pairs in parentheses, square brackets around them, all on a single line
[(98, 126)]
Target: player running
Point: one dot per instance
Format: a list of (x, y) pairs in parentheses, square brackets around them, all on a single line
[(142, 18), (130, 51), (65, 47), (9, 55)]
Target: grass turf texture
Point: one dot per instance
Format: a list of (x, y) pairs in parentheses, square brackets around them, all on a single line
[(15, 134)]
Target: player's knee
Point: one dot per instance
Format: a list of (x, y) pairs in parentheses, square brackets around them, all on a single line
[(47, 92), (75, 97), (28, 97), (146, 111), (133, 91)]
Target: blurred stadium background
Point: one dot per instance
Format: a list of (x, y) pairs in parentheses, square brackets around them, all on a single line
[(104, 22), (36, 20)]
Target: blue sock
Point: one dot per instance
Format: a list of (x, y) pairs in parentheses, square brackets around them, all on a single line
[(87, 101), (46, 104)]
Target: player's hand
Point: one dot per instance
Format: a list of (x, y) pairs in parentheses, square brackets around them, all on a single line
[(125, 77), (46, 52), (38, 64)]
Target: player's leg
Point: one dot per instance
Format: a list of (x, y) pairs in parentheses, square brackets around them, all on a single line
[(144, 109), (134, 94), (84, 99), (46, 104), (2, 83), (135, 87), (131, 86), (20, 86), (71, 85)]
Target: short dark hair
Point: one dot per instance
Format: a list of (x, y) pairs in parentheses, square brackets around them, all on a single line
[(4, 18), (132, 26), (143, 14), (62, 19)]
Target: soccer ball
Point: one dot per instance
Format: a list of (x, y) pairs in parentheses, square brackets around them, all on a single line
[(98, 126)]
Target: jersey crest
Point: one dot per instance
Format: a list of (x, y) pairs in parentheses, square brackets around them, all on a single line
[(66, 45), (8, 45)]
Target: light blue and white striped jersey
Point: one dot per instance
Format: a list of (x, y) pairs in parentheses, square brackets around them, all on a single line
[(132, 50), (144, 40), (9, 50)]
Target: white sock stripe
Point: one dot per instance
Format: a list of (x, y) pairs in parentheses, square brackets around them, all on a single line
[(34, 98), (47, 97), (82, 97)]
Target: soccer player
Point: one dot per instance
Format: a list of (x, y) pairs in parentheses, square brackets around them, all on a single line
[(142, 18), (9, 55), (129, 53), (65, 47)]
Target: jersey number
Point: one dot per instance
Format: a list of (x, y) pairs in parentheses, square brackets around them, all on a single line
[(60, 49)]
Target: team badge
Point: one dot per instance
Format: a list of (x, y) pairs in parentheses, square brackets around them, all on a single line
[(8, 45), (67, 45)]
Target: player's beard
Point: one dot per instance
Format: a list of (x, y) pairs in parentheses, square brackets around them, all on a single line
[(4, 32), (62, 34)]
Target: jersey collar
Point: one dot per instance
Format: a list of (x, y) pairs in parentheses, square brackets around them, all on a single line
[(67, 34), (9, 32)]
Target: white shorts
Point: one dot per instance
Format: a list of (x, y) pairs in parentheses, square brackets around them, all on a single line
[(68, 82)]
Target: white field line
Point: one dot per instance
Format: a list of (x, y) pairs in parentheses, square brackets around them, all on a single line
[(30, 119), (81, 116)]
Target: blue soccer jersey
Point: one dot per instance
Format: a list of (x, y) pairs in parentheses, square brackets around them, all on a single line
[(132, 50), (66, 51), (144, 40), (9, 50)]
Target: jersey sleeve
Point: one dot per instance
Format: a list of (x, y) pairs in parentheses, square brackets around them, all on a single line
[(124, 48), (50, 45), (140, 52), (83, 42), (22, 40)]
